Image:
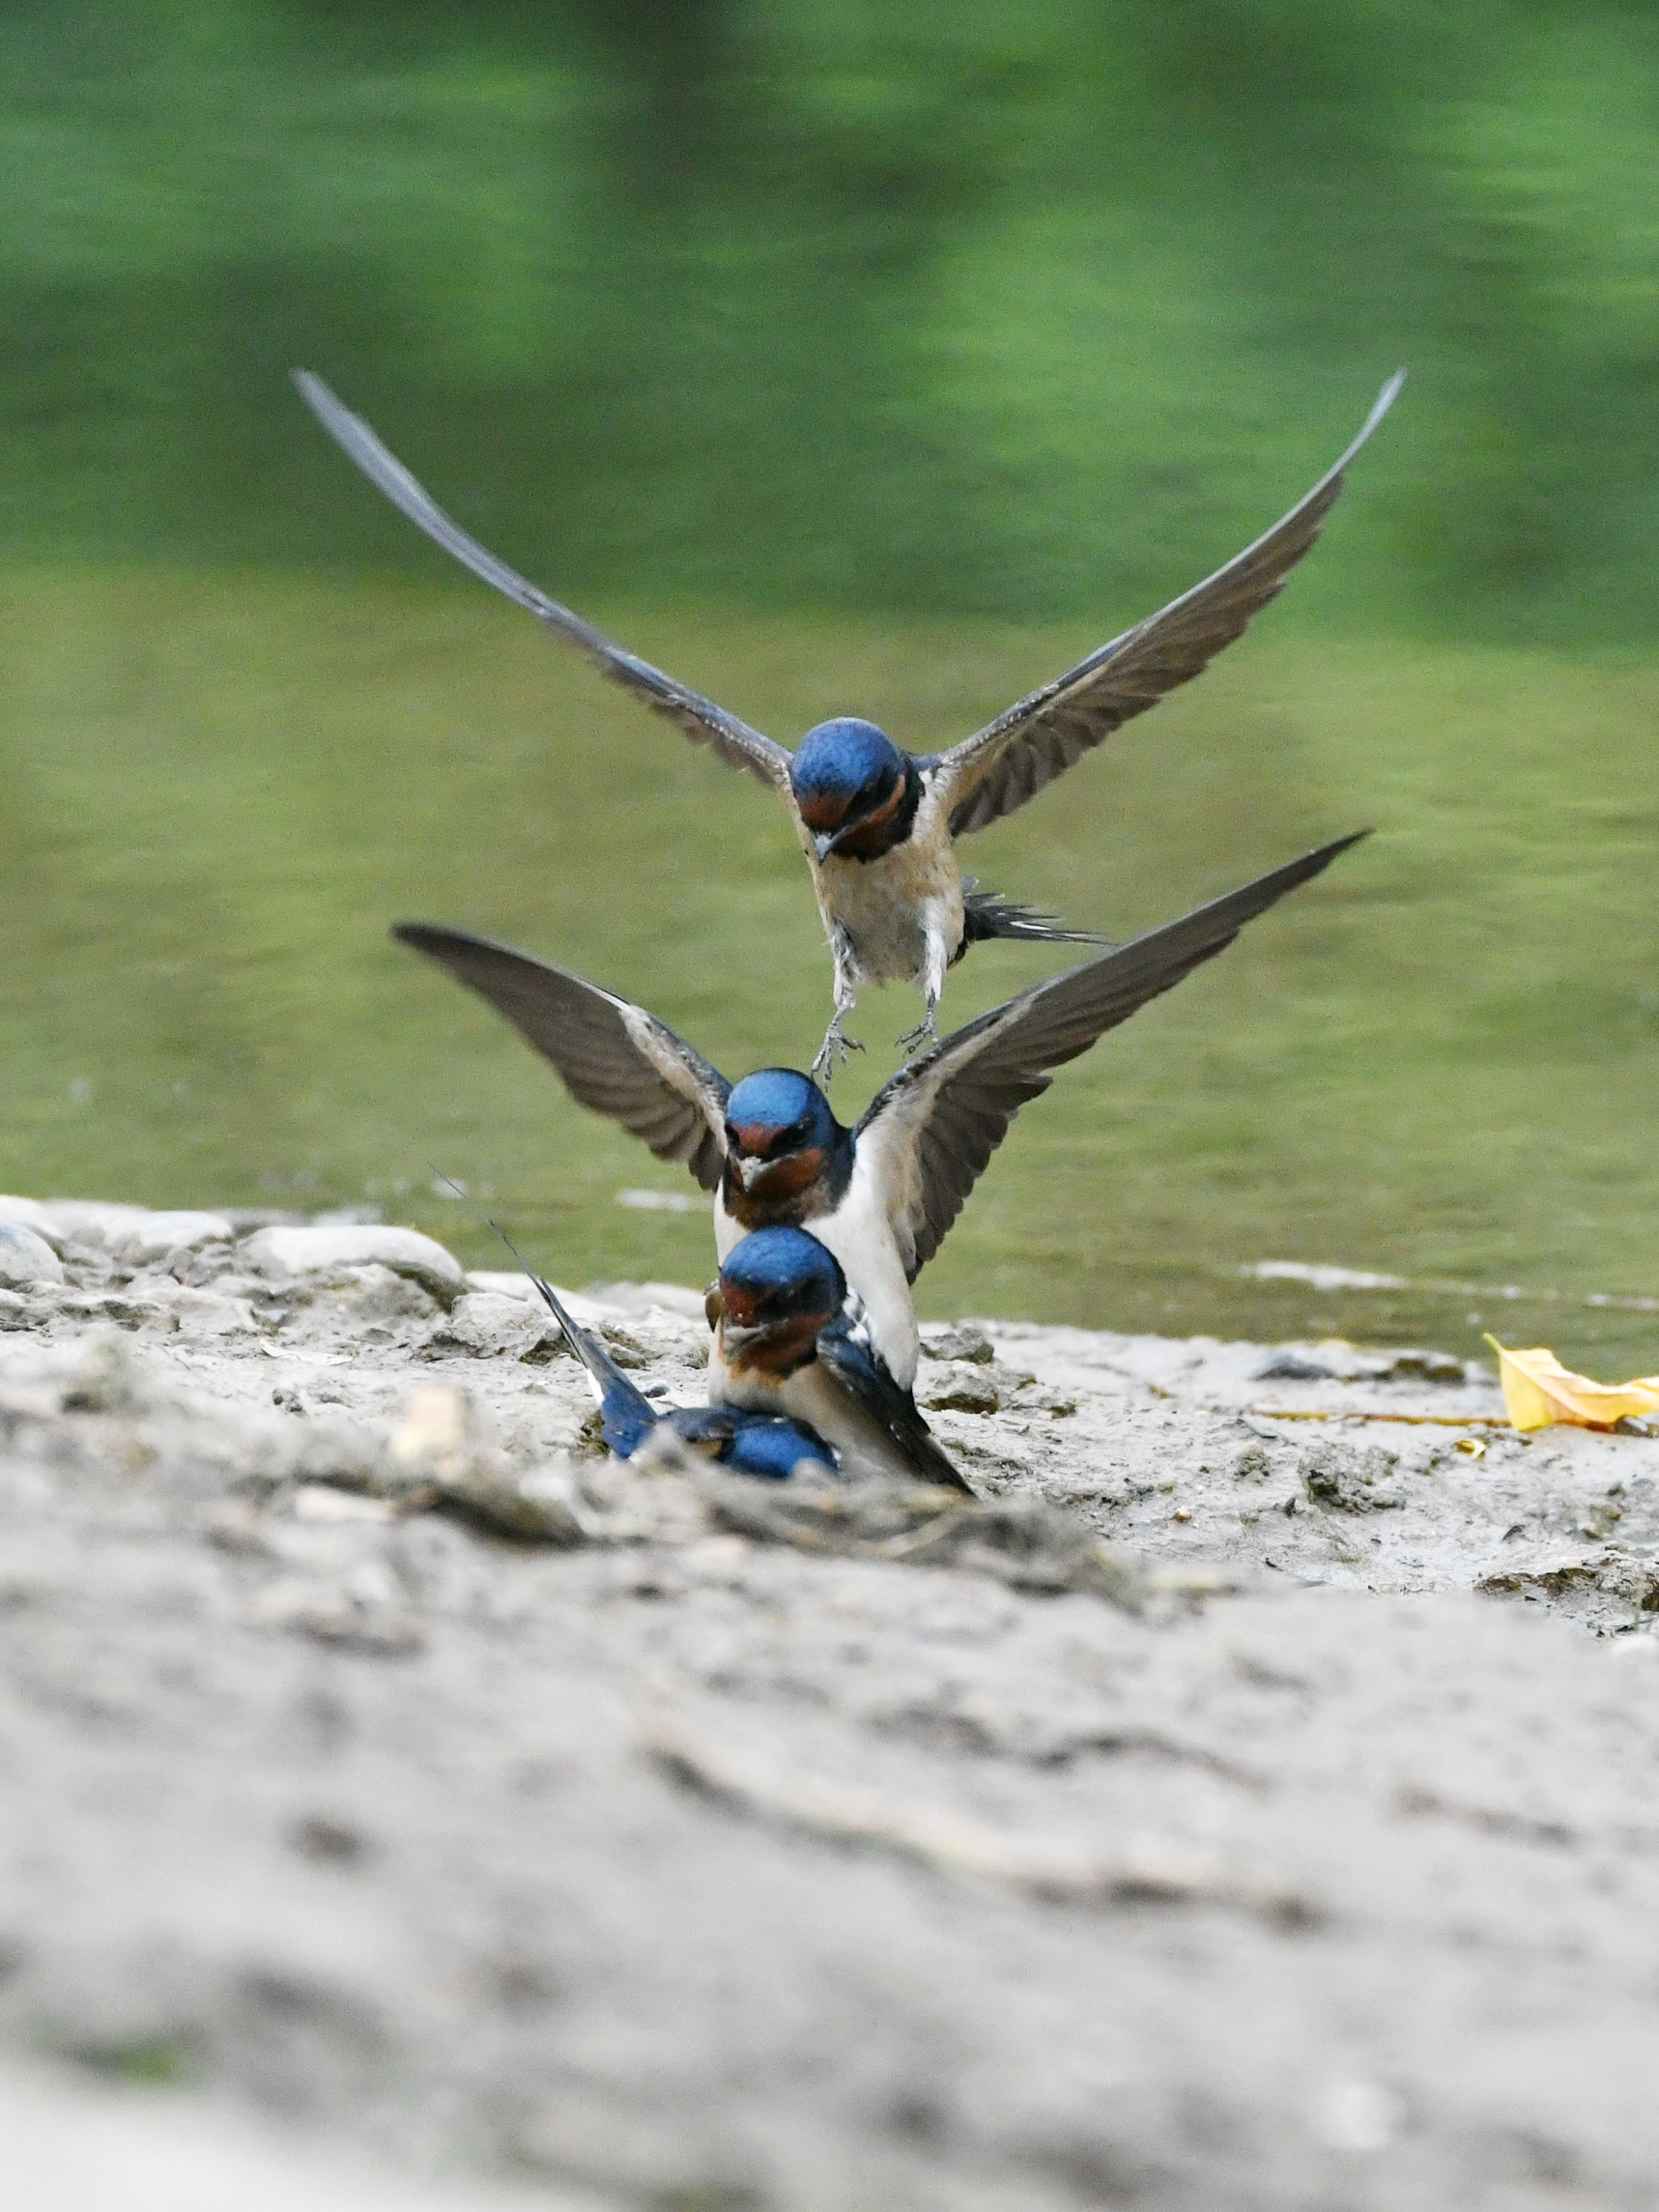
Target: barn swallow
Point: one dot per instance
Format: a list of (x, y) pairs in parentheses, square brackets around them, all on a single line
[(789, 1340), (877, 824), (765, 1443), (880, 1196)]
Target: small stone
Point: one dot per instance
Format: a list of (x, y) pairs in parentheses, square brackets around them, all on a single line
[(1351, 1481), (964, 1343), (284, 1253), (90, 1220), (32, 1215), (1414, 1365), (960, 1389), (17, 1312), (26, 1258), (154, 1236), (1288, 1363)]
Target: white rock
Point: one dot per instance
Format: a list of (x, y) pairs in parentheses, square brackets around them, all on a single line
[(90, 1220), (32, 1216), (26, 1258), (153, 1236), (284, 1253)]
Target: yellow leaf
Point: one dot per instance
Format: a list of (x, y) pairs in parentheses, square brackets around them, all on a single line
[(1537, 1389)]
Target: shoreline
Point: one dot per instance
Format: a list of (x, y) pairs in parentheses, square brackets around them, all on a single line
[(383, 1755)]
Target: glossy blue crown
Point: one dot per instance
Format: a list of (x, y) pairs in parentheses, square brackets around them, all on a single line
[(840, 758), (775, 1263), (777, 1098)]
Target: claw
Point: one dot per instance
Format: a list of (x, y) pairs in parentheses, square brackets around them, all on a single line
[(834, 1052), (926, 1032)]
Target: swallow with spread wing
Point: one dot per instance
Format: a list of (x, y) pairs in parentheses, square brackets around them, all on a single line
[(878, 825), (880, 1196), (764, 1443), (790, 1342)]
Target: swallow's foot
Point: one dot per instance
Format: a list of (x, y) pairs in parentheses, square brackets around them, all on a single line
[(926, 1032), (834, 1052)]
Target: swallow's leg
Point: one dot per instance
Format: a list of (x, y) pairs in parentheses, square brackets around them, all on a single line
[(933, 982), (837, 1047)]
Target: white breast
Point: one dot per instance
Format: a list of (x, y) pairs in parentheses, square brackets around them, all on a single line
[(861, 1237), (880, 904)]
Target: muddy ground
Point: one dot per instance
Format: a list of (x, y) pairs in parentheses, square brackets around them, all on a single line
[(1233, 1810)]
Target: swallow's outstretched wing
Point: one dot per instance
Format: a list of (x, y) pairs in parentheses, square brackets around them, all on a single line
[(929, 1133), (1012, 759), (701, 719), (614, 1057)]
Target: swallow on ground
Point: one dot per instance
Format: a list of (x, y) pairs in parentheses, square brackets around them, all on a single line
[(880, 1196), (765, 1443), (791, 1341), (877, 824)]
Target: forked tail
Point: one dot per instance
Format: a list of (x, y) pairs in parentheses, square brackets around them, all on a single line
[(988, 914)]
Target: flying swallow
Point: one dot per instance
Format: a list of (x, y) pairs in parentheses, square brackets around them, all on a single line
[(789, 1340), (882, 1195), (878, 825), (765, 1443)]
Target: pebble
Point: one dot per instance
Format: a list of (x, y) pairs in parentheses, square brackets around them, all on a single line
[(281, 1253), (26, 1258), (32, 1215), (95, 1221), (153, 1236)]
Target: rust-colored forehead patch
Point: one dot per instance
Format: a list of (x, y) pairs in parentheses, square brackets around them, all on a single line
[(754, 1137), (737, 1304), (823, 811)]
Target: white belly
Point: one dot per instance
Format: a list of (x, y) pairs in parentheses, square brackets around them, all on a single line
[(860, 1236), (885, 905)]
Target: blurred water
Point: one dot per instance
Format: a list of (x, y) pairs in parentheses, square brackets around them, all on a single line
[(1438, 1063), (982, 308)]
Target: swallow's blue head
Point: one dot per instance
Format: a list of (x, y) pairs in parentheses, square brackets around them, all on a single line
[(856, 790), (778, 1289), (784, 1148)]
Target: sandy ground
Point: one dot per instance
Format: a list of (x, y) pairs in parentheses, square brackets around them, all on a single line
[(1233, 1810)]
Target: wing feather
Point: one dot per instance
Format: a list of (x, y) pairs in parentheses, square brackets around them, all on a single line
[(865, 1379), (930, 1131), (1012, 759), (701, 719), (614, 1059)]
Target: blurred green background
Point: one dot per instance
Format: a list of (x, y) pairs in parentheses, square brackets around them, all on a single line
[(844, 357)]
